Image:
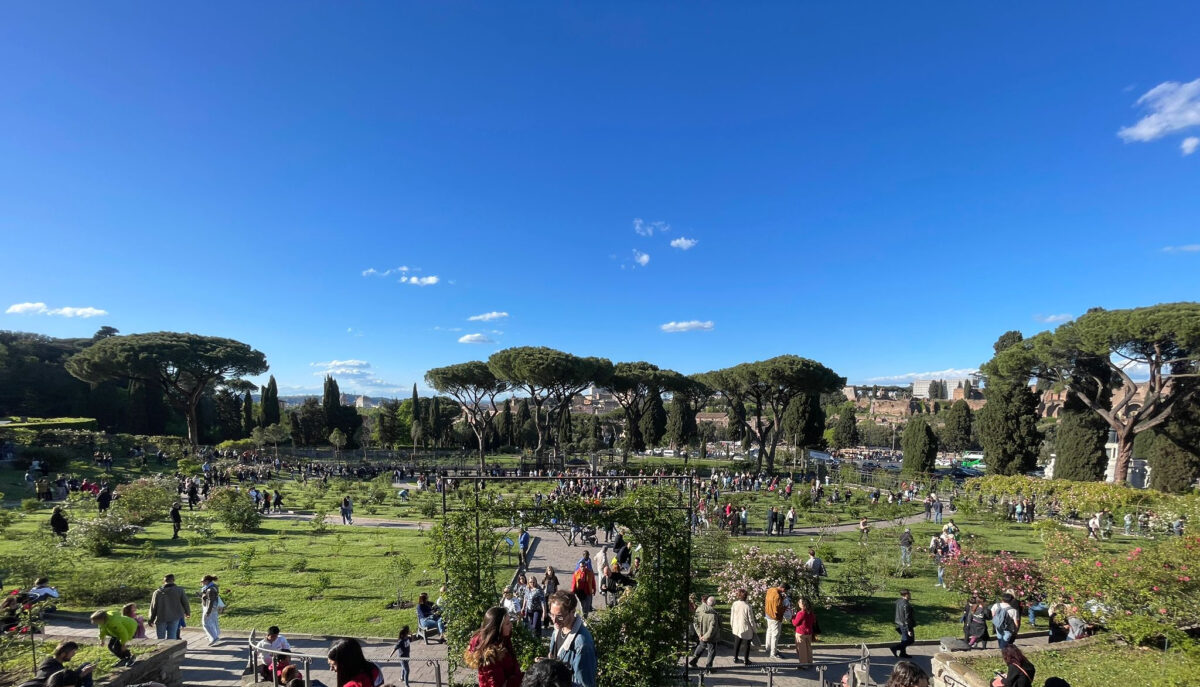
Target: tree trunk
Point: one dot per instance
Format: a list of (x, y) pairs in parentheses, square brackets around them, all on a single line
[(193, 426), (1124, 456)]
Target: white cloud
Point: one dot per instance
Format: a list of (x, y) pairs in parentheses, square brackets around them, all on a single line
[(26, 309), (1054, 319), (683, 244), (372, 272), (487, 316), (1189, 145), (438, 328), (1172, 107), (419, 281), (474, 339), (1188, 248), (688, 326), (41, 309), (641, 258), (354, 375), (643, 228), (951, 373)]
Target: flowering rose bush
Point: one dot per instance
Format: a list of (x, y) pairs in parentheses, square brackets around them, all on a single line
[(1160, 580), (978, 574), (756, 571)]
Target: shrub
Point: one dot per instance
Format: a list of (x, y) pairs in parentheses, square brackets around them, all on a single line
[(860, 575), (298, 566), (756, 571), (98, 535), (30, 505), (38, 555), (1159, 581), (318, 525), (234, 510), (145, 500), (320, 584), (973, 573)]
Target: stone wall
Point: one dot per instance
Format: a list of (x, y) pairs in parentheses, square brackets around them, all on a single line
[(948, 672), (163, 665)]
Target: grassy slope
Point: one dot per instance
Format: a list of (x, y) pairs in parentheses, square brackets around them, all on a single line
[(1104, 664)]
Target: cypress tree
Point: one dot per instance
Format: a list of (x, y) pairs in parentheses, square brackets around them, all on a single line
[(958, 426), (1008, 423), (1175, 453), (506, 425), (564, 430), (247, 414), (595, 437), (678, 431), (270, 403), (1079, 443), (654, 420), (845, 432), (417, 423), (433, 422), (524, 417), (919, 444), (331, 402)]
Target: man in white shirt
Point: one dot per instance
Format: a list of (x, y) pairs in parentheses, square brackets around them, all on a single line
[(274, 642)]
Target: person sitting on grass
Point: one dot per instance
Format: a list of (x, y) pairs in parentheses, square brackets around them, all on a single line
[(119, 631), (63, 653)]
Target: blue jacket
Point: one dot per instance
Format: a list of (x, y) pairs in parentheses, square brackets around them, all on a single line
[(523, 540), (579, 655)]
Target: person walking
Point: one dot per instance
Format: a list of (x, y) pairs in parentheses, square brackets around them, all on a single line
[(583, 585), (906, 544), (774, 608), (403, 649), (211, 604), (347, 510), (176, 520), (816, 567), (491, 651), (805, 624), (571, 641), (791, 519), (742, 622), (523, 545), (168, 607), (708, 632), (1006, 619), (905, 623)]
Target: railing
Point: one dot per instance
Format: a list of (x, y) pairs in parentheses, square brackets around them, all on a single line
[(857, 667), (306, 660)]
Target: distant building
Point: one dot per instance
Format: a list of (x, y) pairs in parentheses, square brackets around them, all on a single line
[(850, 393), (920, 388)]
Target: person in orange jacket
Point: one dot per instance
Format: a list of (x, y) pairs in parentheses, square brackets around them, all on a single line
[(583, 586)]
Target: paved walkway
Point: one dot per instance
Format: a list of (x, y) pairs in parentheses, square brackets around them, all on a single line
[(222, 665)]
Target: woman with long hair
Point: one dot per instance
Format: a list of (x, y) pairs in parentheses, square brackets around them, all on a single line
[(346, 660), (907, 674), (491, 652), (805, 622), (742, 622), (550, 582), (1020, 670)]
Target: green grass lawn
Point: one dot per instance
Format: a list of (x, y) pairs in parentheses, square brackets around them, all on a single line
[(277, 588), (1103, 664), (937, 610), (17, 660)]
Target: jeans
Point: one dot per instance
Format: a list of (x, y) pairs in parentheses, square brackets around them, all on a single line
[(941, 575), (434, 624), (1003, 639), (772, 643), (906, 639), (1039, 606), (703, 647), (906, 555), (937, 516), (117, 648), (404, 671), (167, 629)]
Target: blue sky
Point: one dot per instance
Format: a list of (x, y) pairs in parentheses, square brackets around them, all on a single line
[(885, 189)]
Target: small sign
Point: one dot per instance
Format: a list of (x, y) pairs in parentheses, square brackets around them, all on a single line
[(508, 541)]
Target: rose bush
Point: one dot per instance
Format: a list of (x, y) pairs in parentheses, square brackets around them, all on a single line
[(756, 571), (1159, 580), (973, 573)]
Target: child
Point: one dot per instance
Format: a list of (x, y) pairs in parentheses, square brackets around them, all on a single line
[(403, 645), (130, 611), (119, 631)]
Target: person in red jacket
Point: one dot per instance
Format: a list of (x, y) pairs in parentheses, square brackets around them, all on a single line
[(583, 586), (347, 662), (805, 622), (490, 651)]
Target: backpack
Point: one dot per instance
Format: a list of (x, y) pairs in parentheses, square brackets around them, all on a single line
[(1003, 622)]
